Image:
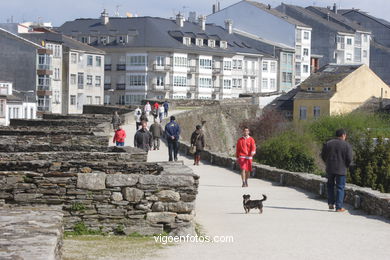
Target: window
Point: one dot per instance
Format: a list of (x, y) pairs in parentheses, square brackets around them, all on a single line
[(107, 60), (57, 51), (89, 80), (349, 41), (305, 52), (272, 84), (106, 99), (227, 84), (44, 62), (56, 73), (302, 113), (364, 54), (306, 35), (137, 80), (265, 66), (160, 80), (56, 97), (89, 100), (205, 63), (358, 55), (327, 89), (73, 58), (2, 108), (80, 80), (316, 112), (305, 68), (97, 100), (81, 56), (273, 67), (365, 38), (205, 83), (73, 79), (227, 65), (98, 60), (179, 81), (103, 40), (180, 61), (44, 82), (98, 81), (72, 100), (84, 39), (43, 103), (287, 77), (349, 57), (187, 41), (137, 60), (237, 83), (199, 42), (25, 113), (310, 88), (265, 84), (237, 64), (223, 44), (212, 43), (160, 61), (289, 59)]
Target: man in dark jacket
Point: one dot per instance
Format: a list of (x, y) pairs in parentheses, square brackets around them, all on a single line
[(157, 131), (166, 107), (143, 138), (172, 131), (337, 155)]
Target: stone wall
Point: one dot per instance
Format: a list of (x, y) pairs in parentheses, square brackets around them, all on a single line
[(60, 140), (220, 124), (371, 201), (113, 197), (107, 110)]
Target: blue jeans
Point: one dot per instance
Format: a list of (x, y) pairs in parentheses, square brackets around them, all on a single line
[(339, 180), (120, 143), (173, 148)]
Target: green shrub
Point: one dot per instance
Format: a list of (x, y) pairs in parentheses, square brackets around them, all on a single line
[(290, 151), (81, 229)]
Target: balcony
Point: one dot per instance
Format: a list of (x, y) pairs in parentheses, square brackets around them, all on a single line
[(107, 66), (44, 87), (192, 69), (120, 86), (107, 86), (120, 67), (340, 46), (217, 71), (158, 67), (250, 72), (156, 87), (43, 108)]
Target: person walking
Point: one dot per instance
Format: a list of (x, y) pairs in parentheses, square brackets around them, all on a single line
[(157, 131), (166, 107), (197, 141), (161, 113), (147, 109), (245, 150), (144, 117), (115, 120), (137, 117), (119, 137), (172, 132), (156, 106), (337, 155), (143, 138)]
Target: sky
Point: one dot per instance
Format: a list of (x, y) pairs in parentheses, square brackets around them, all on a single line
[(60, 11)]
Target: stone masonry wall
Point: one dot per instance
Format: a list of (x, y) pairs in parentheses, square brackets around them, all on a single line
[(118, 198), (371, 201)]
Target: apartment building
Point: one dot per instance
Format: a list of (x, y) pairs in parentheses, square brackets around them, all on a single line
[(78, 73), (335, 38), (380, 40), (262, 21), (148, 57)]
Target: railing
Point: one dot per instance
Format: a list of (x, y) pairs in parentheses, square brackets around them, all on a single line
[(43, 109), (217, 70), (44, 87), (44, 66), (120, 67), (161, 67)]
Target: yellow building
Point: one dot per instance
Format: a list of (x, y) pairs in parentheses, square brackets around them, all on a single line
[(337, 89)]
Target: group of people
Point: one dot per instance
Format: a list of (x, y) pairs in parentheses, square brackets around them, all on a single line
[(336, 153)]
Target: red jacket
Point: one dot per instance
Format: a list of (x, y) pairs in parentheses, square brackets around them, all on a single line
[(245, 147), (119, 136), (156, 105)]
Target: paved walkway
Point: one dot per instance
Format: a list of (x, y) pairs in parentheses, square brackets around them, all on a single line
[(294, 225)]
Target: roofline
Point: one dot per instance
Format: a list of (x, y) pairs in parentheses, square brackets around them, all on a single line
[(366, 15), (94, 49), (23, 39)]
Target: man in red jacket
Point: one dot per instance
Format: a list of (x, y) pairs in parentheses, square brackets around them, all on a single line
[(245, 150), (119, 137)]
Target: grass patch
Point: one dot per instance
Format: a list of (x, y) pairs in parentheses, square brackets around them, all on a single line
[(81, 229)]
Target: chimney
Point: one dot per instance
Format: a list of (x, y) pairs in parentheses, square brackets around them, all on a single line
[(229, 26), (218, 6), (335, 8), (202, 22), (180, 20), (269, 7), (104, 17), (214, 9), (328, 16)]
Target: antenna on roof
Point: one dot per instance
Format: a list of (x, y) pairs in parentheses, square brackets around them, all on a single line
[(117, 11)]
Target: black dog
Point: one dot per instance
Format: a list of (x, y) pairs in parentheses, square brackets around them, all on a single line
[(253, 204)]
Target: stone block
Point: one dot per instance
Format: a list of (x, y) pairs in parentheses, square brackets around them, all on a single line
[(149, 179), (116, 196), (185, 217), (161, 217), (132, 194), (158, 206), (181, 207), (121, 180), (91, 181), (145, 230), (176, 181), (168, 195)]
